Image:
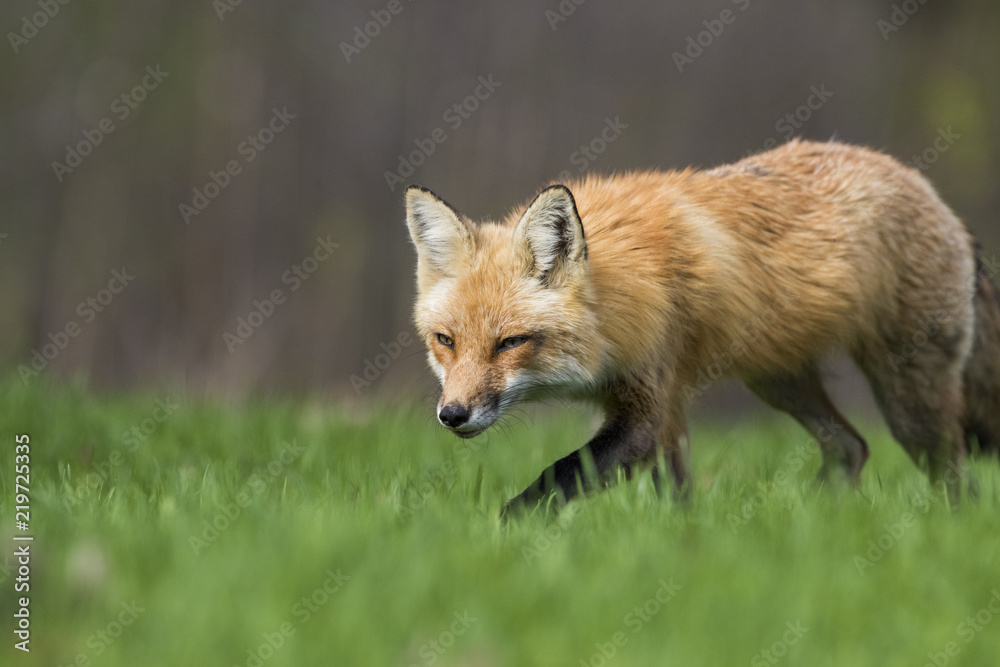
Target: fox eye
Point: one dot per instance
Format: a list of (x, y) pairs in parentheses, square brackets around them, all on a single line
[(512, 342), (445, 340)]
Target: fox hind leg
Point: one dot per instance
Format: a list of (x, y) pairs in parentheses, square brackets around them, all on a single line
[(920, 396), (803, 397)]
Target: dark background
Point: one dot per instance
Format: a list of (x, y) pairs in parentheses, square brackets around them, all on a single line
[(324, 174)]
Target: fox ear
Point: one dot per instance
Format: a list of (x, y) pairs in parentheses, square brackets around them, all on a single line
[(442, 237), (550, 235)]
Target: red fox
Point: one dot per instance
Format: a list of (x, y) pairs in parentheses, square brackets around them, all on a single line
[(636, 290)]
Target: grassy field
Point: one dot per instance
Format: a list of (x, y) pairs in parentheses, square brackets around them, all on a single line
[(296, 533)]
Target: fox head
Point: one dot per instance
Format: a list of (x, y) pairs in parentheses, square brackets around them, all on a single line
[(504, 309)]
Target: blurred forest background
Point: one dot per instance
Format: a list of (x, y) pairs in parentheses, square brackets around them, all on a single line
[(909, 78)]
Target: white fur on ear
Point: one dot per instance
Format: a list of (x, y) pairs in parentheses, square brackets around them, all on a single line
[(441, 236), (550, 233)]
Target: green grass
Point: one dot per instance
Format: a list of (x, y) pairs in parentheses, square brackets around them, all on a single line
[(405, 521)]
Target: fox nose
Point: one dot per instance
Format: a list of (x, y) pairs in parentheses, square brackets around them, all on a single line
[(453, 415)]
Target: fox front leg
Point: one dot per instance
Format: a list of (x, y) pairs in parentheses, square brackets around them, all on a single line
[(621, 441)]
